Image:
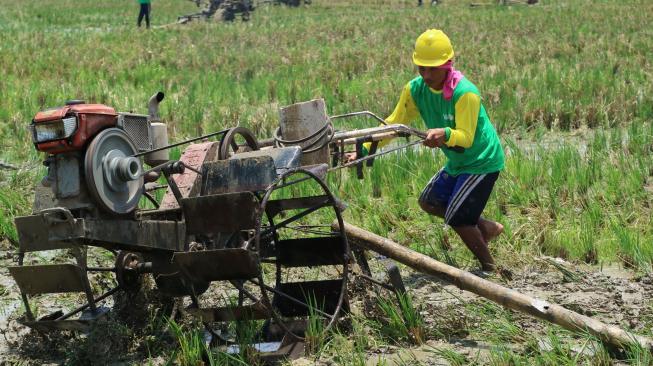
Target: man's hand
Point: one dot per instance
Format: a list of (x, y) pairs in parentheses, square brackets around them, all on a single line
[(434, 137), (349, 157)]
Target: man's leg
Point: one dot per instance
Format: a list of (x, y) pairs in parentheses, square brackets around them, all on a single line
[(464, 215), (433, 209), (141, 13), (147, 15), (473, 236), (490, 229), (460, 201), (473, 239)]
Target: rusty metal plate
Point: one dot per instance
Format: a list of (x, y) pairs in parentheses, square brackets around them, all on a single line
[(309, 252), (289, 351), (83, 324), (320, 170), (49, 278), (173, 214), (273, 207), (218, 265), (137, 234), (276, 332), (238, 175), (194, 156), (326, 293), (284, 157), (232, 313), (220, 213), (36, 233)]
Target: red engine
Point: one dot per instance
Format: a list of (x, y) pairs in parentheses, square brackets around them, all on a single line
[(69, 128)]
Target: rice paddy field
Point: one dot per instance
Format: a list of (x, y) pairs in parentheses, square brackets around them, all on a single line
[(568, 85)]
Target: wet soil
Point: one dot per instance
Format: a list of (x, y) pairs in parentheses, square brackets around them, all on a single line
[(613, 295)]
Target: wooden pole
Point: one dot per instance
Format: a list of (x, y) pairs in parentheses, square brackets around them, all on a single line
[(501, 295)]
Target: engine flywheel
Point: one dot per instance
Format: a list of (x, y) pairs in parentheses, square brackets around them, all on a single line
[(113, 176)]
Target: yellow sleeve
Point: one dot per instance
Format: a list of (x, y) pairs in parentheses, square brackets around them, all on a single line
[(405, 112), (467, 109)]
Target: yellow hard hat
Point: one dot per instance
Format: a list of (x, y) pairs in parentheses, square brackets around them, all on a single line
[(432, 48)]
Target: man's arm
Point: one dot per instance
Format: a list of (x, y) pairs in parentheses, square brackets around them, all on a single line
[(404, 113), (467, 109)]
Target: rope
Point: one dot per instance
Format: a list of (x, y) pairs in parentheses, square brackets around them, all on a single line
[(316, 140)]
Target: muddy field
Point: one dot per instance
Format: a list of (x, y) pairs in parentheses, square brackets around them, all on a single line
[(461, 328)]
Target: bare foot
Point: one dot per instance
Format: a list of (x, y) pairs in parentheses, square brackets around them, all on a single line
[(489, 229)]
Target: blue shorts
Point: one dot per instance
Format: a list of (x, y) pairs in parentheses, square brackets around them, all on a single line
[(464, 196)]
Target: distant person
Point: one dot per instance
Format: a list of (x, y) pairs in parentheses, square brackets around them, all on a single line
[(433, 2), (451, 108), (145, 12)]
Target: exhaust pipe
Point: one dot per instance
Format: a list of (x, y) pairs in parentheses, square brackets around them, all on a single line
[(158, 132), (153, 106)]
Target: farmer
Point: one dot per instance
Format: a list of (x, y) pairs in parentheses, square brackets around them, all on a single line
[(145, 12), (457, 122)]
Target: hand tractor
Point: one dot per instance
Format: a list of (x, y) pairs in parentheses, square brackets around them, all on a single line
[(242, 232)]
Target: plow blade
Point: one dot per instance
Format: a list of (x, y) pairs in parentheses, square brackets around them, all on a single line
[(323, 295), (309, 252), (83, 324), (37, 233), (218, 265), (274, 207), (49, 278), (220, 213), (232, 313), (238, 175), (284, 158)]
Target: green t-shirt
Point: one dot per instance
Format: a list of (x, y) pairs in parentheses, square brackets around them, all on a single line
[(485, 155), (144, 1)]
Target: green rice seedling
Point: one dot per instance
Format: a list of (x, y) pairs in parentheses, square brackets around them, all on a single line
[(14, 201), (587, 241), (632, 250), (558, 242), (392, 326), (315, 335), (364, 332), (344, 351), (407, 358), (558, 347), (569, 275), (503, 356), (413, 318), (192, 349), (498, 325), (639, 356), (402, 321), (450, 355), (246, 332), (446, 249), (7, 229), (243, 334)]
